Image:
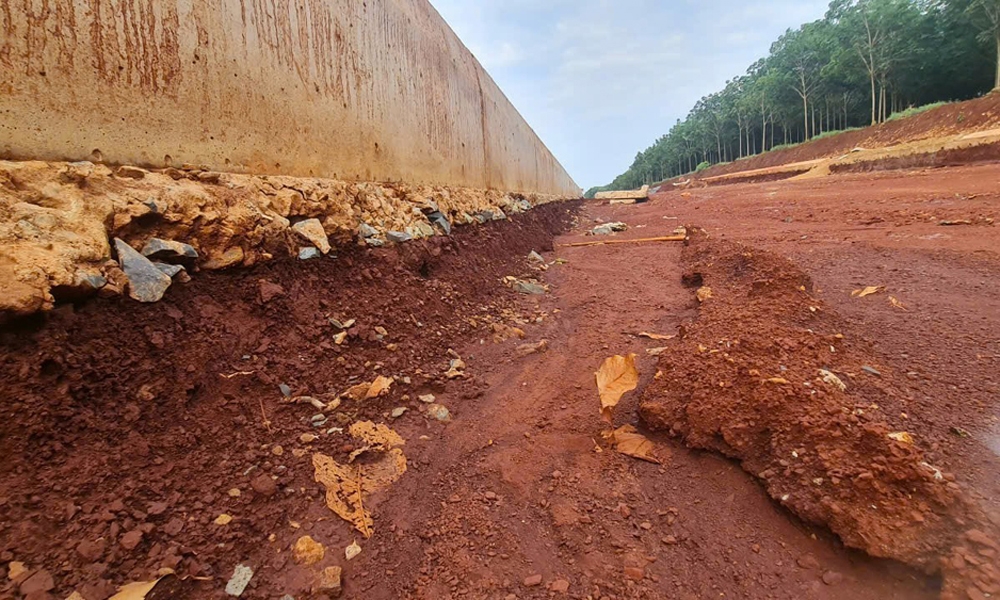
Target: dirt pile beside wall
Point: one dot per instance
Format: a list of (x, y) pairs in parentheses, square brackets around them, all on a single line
[(127, 426), (57, 220), (766, 377)]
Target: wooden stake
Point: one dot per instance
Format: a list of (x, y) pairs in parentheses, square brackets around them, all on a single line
[(666, 238)]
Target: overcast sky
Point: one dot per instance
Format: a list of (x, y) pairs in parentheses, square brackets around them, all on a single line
[(600, 80)]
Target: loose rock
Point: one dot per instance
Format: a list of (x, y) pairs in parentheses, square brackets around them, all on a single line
[(169, 251), (264, 485), (146, 283), (170, 271), (329, 581), (609, 228), (532, 580), (308, 551), (239, 581), (312, 231), (38, 583), (439, 412)]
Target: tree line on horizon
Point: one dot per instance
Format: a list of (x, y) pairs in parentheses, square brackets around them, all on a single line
[(862, 63)]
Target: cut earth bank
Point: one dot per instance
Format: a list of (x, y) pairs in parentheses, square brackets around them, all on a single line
[(131, 425), (58, 220)]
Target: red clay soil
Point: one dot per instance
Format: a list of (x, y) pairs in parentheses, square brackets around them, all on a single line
[(765, 376), (950, 119), (118, 421)]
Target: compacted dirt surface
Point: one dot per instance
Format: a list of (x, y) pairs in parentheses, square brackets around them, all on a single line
[(810, 443)]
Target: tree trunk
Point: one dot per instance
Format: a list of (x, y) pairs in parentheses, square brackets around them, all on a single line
[(805, 116), (996, 81)]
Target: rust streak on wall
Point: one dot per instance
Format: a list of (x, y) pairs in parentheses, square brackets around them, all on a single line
[(345, 89)]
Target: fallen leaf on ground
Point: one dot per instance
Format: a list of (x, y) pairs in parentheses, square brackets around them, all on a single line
[(901, 436), (656, 336), (630, 442), (139, 590), (896, 303), (616, 376), (223, 519), (347, 485), (380, 386), (340, 338), (703, 293), (353, 550), (15, 569), (376, 437), (655, 351), (778, 380), (868, 291), (358, 392)]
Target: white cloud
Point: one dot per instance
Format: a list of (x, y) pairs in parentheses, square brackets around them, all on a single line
[(599, 80)]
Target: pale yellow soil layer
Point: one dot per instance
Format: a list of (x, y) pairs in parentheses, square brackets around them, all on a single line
[(821, 167), (57, 219)]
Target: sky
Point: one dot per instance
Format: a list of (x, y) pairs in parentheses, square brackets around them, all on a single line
[(600, 80)]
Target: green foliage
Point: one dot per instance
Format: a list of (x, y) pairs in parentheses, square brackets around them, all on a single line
[(915, 110), (818, 81), (828, 134), (702, 166)]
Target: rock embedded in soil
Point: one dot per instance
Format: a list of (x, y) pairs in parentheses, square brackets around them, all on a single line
[(146, 283), (242, 575), (307, 551), (312, 231), (131, 540), (309, 253), (169, 251), (532, 580), (264, 485), (38, 582), (329, 582)]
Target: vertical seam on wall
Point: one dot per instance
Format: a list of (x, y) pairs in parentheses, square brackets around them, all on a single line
[(488, 180)]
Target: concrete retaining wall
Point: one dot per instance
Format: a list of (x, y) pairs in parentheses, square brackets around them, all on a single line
[(376, 90)]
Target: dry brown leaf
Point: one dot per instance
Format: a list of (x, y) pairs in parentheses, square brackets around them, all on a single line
[(868, 291), (896, 303), (380, 386), (223, 519), (353, 550), (343, 491), (379, 437), (778, 380), (616, 376), (703, 293), (655, 351), (630, 442), (358, 392), (347, 485), (656, 336), (139, 590)]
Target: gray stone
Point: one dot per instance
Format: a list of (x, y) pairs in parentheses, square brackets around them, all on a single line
[(169, 251), (146, 283), (399, 412), (609, 228), (871, 371), (309, 253), (239, 581), (374, 241), (285, 390), (437, 218), (398, 236), (439, 412), (535, 257), (526, 287), (312, 231), (367, 231), (169, 270)]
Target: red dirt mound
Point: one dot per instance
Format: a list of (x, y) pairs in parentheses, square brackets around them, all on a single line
[(950, 119), (128, 429), (764, 376)]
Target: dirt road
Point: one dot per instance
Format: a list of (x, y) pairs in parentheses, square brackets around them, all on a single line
[(121, 420)]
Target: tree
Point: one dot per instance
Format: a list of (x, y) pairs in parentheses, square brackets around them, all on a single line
[(987, 13)]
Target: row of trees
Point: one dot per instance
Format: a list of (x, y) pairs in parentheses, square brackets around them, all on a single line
[(864, 61)]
